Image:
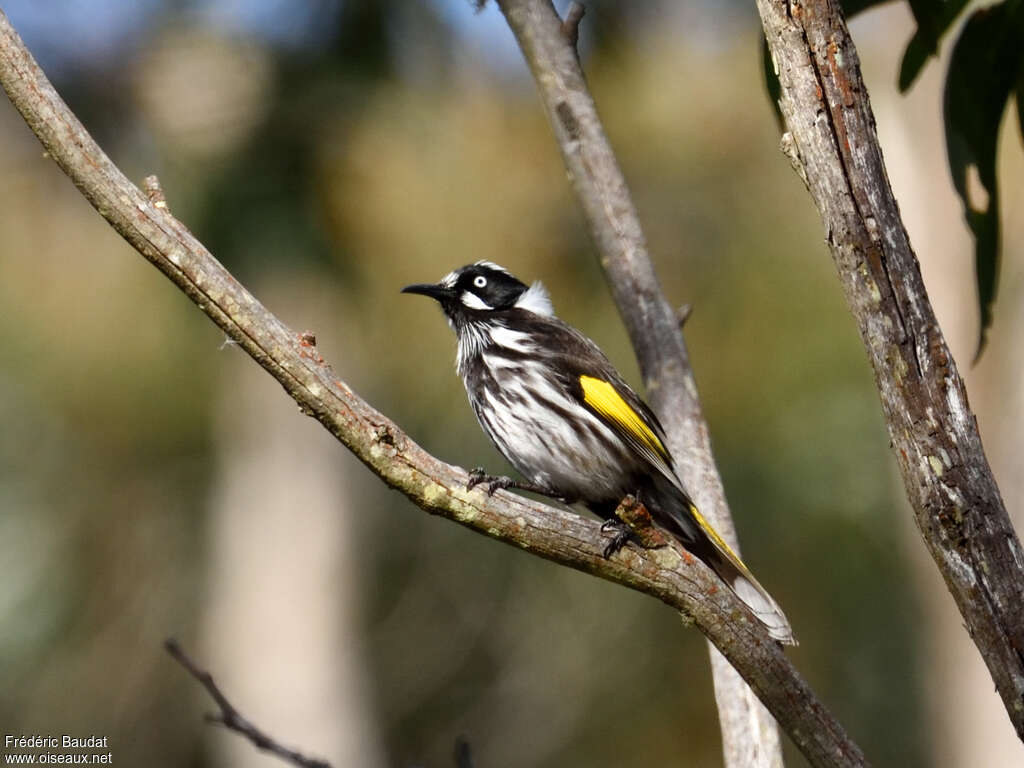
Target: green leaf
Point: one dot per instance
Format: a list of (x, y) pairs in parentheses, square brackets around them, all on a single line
[(914, 59), (983, 72), (933, 19), (1020, 100)]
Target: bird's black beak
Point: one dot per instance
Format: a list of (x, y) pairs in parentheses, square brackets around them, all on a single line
[(438, 292)]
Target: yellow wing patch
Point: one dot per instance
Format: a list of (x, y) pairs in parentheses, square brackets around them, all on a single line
[(603, 398)]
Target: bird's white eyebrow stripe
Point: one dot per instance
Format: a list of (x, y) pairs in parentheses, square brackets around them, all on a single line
[(492, 265)]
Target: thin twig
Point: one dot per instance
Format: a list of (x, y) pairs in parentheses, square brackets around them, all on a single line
[(669, 574), (683, 312), (463, 753), (232, 719), (571, 24)]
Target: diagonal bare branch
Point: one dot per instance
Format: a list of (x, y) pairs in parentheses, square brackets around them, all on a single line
[(234, 720), (670, 574)]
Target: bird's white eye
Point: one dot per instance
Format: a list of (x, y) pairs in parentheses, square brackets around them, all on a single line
[(479, 281)]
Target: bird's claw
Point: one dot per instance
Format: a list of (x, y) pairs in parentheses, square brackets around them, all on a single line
[(619, 533), (491, 483)]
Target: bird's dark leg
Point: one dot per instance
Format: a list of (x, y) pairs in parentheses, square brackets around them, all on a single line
[(491, 483), (619, 533), (631, 522)]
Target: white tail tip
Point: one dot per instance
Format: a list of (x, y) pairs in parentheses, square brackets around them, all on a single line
[(765, 609)]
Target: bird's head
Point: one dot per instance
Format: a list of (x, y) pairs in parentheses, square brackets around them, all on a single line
[(473, 292)]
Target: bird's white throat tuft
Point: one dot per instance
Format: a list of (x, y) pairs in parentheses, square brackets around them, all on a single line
[(536, 299)]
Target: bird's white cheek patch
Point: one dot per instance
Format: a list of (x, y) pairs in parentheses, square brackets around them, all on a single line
[(471, 300)]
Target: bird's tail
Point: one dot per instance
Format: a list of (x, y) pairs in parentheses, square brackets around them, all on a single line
[(741, 581), (701, 539)]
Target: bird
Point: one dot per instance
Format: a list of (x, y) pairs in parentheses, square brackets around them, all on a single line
[(557, 409)]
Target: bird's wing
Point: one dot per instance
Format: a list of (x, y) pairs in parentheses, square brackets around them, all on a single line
[(594, 382), (622, 410)]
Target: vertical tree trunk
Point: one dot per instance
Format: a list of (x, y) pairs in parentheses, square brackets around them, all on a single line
[(956, 502)]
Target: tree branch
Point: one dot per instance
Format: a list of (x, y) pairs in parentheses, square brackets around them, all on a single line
[(670, 574), (749, 736), (570, 28), (934, 434), (233, 720)]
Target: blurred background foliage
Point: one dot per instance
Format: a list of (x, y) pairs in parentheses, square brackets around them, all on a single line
[(154, 483)]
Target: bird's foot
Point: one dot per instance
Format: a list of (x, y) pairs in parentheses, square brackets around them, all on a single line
[(618, 532), (491, 483), (632, 516)]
